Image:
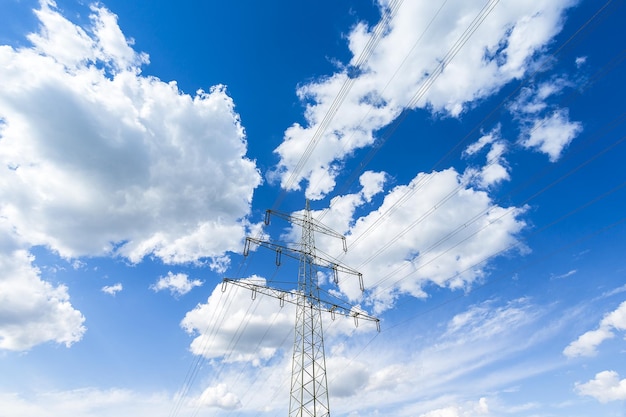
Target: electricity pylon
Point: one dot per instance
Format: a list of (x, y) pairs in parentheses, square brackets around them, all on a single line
[(309, 385)]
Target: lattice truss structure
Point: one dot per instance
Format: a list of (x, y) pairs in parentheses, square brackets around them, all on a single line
[(309, 385)]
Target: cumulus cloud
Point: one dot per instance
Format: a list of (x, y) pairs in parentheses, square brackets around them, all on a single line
[(544, 128), (101, 160), (32, 311), (552, 134), (177, 284), (216, 323), (605, 387), (112, 289), (219, 396), (231, 327), (435, 229), (587, 343), (424, 57)]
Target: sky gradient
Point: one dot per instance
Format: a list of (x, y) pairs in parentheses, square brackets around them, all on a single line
[(470, 151)]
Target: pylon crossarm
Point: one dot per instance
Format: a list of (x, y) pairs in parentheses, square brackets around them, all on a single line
[(292, 298), (300, 221), (297, 254)]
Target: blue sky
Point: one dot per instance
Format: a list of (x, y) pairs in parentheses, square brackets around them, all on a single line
[(471, 152)]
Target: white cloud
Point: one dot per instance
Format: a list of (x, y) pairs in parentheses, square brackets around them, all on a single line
[(219, 396), (433, 230), (177, 284), (533, 100), (485, 344), (605, 387), (105, 161), (372, 183), (112, 289), (480, 408), (565, 275), (32, 311), (495, 169), (74, 46), (346, 376), (85, 402), (543, 127), (551, 134), (236, 325), (477, 351), (413, 67), (223, 316), (587, 343), (486, 348)]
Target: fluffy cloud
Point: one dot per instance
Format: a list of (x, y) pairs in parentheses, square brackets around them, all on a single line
[(544, 128), (218, 323), (423, 57), (32, 311), (436, 229), (177, 284), (552, 134), (587, 343), (219, 396), (100, 160), (605, 387)]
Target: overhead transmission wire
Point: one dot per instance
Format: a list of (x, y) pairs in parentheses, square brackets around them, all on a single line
[(606, 194), (422, 90), (182, 396), (497, 219), (390, 130), (469, 179), (417, 98), (243, 324), (493, 281), (517, 244), (321, 128), (389, 81), (411, 191), (359, 65), (195, 366), (600, 74), (208, 339), (612, 65), (280, 389), (559, 180), (541, 259)]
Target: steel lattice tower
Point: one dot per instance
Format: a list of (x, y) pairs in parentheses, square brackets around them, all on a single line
[(309, 385)]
